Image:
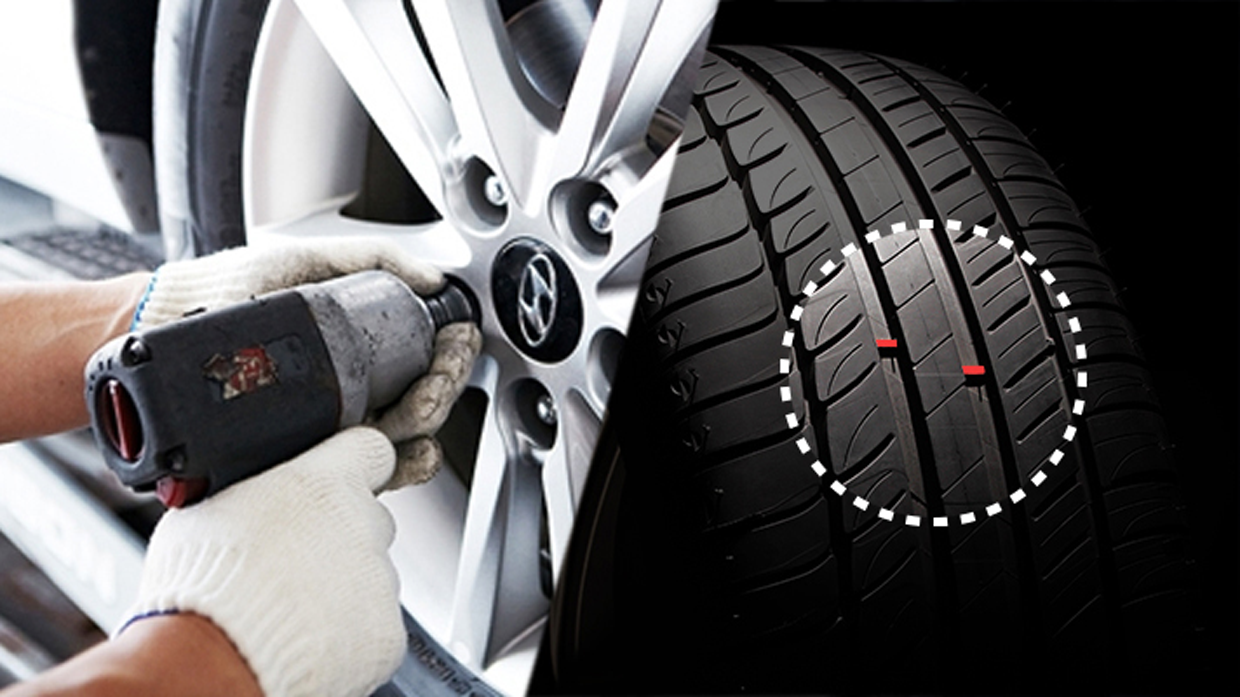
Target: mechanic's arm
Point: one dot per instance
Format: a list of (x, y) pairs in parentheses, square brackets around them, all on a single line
[(182, 654), (47, 332)]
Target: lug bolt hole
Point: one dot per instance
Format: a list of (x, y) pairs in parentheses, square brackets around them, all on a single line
[(585, 214), (537, 416), (486, 192)]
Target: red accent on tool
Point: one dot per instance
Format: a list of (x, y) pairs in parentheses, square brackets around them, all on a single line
[(974, 370), (175, 493), (886, 343), (122, 425)]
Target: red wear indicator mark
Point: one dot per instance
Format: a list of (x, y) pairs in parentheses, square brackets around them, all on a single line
[(974, 370), (247, 370), (886, 343)]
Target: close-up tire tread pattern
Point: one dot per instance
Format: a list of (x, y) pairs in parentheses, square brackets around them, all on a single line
[(791, 154)]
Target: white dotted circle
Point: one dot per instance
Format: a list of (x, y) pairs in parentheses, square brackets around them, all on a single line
[(1039, 476)]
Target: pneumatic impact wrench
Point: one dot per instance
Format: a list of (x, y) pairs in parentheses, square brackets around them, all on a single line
[(190, 407)]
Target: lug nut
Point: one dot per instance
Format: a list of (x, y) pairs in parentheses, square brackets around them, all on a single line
[(600, 214), (545, 409), (493, 189)]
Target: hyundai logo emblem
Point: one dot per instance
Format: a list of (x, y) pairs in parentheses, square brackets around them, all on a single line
[(536, 300)]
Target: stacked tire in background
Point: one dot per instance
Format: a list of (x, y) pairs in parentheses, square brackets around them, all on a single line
[(739, 567)]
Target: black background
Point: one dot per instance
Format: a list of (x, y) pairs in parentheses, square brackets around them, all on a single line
[(1136, 102)]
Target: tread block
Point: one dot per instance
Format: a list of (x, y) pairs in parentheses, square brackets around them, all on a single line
[(826, 109), (700, 273), (1085, 285), (1006, 159), (733, 106), (780, 605), (1015, 344), (800, 82), (923, 322), (832, 322), (1036, 204), (762, 482), (1106, 333), (876, 194), (701, 171), (1032, 398), (1001, 297), (860, 427), (955, 94), (908, 273), (769, 548), (694, 133), (755, 141), (698, 225), (741, 420), (884, 483), (805, 264), (978, 124), (1139, 509), (898, 101), (770, 61), (986, 590), (749, 359), (951, 174), (775, 184), (957, 447), (849, 146), (1054, 247), (731, 310), (1129, 444), (1151, 565), (1119, 384), (1071, 585), (715, 75), (921, 131), (938, 375)]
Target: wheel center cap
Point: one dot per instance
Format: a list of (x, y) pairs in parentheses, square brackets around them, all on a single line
[(536, 299)]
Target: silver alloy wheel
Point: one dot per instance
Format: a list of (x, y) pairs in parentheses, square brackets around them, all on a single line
[(546, 197)]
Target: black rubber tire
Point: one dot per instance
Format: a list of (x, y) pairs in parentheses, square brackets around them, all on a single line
[(204, 51), (761, 576)]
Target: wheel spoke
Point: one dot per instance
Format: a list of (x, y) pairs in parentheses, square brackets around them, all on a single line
[(478, 569), (373, 45), (564, 471), (633, 54), (436, 243), (498, 594), (497, 111)]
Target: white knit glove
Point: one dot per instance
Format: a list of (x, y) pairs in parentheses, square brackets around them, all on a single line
[(235, 275), (292, 565)]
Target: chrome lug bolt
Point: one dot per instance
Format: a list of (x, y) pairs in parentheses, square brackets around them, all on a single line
[(600, 214), (493, 189), (545, 408)]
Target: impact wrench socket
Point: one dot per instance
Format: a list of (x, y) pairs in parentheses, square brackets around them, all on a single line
[(190, 407)]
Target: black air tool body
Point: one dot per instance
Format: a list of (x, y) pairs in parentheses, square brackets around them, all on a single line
[(190, 407)]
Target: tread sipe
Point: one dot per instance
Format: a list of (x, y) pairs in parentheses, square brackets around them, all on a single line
[(789, 156)]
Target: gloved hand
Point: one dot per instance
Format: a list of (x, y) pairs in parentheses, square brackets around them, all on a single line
[(235, 275), (292, 565)]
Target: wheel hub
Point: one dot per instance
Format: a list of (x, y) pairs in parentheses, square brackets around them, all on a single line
[(536, 300)]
